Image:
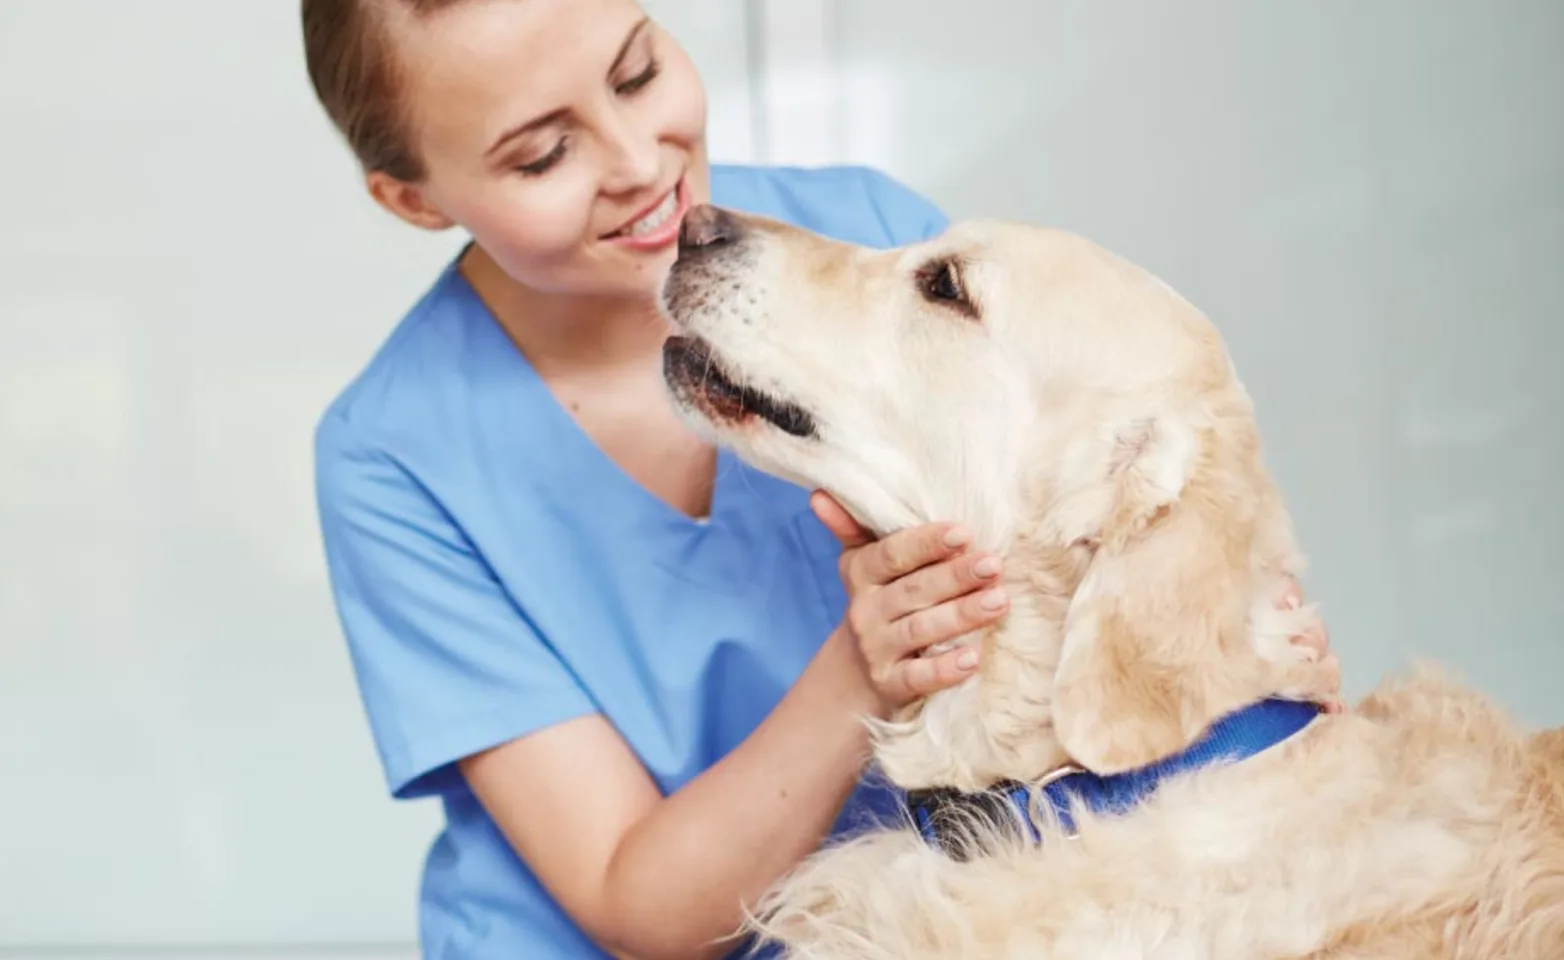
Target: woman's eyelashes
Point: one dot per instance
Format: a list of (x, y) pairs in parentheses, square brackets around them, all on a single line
[(638, 82), (545, 162), (626, 88)]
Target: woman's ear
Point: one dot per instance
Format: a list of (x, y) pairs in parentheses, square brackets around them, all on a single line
[(1156, 643), (406, 201)]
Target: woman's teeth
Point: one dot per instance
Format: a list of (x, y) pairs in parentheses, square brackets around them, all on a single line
[(653, 221)]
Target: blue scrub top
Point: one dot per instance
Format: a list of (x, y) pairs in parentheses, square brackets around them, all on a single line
[(495, 573)]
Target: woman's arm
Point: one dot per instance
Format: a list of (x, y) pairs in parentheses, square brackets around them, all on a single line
[(651, 877), (448, 670)]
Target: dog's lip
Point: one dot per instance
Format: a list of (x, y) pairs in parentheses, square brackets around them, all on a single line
[(691, 366), (685, 347), (690, 362)]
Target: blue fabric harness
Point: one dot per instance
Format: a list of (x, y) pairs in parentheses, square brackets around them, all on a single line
[(942, 813)]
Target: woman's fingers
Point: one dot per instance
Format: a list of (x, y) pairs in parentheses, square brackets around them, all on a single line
[(917, 677), (932, 585), (871, 562), (1316, 637), (910, 590), (909, 635), (1292, 595), (836, 519), (893, 557)]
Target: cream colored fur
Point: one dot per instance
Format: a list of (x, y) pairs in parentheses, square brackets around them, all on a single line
[(1086, 421)]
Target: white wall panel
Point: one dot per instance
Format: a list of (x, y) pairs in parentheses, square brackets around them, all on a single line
[(799, 102)]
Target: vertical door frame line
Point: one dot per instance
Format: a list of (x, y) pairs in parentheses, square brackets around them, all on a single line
[(796, 108)]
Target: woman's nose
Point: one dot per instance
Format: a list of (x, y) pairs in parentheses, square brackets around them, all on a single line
[(636, 159)]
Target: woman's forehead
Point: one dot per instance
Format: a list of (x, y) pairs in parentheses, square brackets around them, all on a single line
[(482, 67)]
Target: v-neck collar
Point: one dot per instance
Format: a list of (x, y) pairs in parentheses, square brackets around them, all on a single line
[(717, 550)]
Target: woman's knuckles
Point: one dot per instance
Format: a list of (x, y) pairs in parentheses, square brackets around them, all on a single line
[(847, 568), (863, 622), (912, 632), (920, 675), (902, 553), (914, 589)]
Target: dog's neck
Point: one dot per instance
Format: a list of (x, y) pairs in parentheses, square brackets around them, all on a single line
[(999, 725), (979, 734), (1178, 545)]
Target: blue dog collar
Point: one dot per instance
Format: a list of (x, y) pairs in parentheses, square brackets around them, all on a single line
[(941, 814)]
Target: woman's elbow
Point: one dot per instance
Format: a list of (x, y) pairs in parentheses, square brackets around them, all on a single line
[(635, 926), (664, 941)]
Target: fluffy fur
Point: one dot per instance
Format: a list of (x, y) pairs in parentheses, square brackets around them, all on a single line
[(1087, 423)]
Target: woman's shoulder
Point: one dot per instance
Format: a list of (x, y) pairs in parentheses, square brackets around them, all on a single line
[(415, 383), (854, 203)]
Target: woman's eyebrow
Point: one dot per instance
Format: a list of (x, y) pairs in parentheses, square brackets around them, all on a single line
[(555, 115), (624, 49), (551, 117)]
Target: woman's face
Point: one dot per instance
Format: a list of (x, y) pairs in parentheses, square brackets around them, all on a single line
[(567, 136)]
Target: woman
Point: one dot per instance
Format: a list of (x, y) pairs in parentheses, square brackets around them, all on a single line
[(630, 667)]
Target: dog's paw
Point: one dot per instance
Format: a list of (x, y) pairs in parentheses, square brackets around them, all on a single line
[(1314, 681), (1285, 636)]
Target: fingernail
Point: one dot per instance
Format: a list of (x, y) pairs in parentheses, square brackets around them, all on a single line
[(993, 600), (967, 660), (957, 537), (987, 567)]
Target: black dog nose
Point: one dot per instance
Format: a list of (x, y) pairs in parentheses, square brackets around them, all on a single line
[(706, 226)]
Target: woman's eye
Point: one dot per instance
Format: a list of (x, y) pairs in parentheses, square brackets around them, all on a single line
[(545, 162), (640, 80)]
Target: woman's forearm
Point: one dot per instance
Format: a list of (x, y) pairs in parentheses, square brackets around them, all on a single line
[(679, 880)]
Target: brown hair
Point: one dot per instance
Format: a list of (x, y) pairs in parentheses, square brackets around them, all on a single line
[(352, 66)]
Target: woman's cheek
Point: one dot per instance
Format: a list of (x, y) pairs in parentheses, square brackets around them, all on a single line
[(552, 222), (684, 106)]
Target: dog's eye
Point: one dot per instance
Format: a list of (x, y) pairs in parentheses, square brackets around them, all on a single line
[(940, 282)]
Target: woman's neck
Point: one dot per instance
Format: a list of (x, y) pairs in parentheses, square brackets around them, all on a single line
[(566, 332)]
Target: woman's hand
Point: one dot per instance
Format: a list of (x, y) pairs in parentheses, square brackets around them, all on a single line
[(1317, 640), (908, 591), (923, 586)]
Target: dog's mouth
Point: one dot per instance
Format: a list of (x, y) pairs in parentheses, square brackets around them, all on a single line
[(691, 368)]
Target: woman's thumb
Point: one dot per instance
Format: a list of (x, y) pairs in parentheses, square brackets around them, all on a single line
[(837, 520)]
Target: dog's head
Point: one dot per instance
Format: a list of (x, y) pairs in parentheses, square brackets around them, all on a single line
[(1075, 412)]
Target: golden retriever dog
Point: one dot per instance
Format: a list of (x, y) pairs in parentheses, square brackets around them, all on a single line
[(1073, 799)]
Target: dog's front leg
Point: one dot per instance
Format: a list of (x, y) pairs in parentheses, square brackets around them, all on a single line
[(885, 896)]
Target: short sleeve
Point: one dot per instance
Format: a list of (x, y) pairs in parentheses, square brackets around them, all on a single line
[(908, 216), (447, 664)]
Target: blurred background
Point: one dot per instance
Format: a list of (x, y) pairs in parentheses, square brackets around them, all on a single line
[(1367, 197)]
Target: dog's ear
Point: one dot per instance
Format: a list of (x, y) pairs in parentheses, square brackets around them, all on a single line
[(1156, 643)]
